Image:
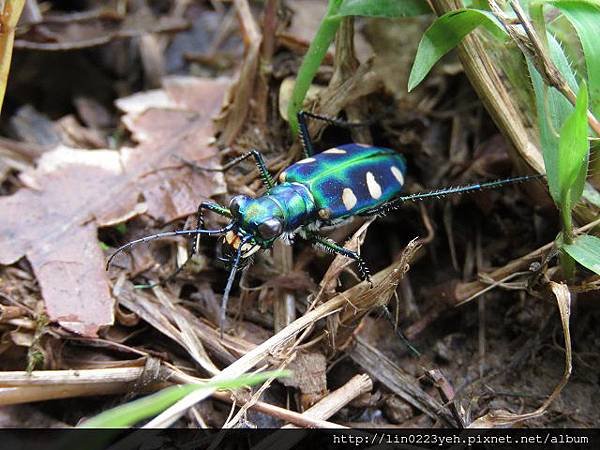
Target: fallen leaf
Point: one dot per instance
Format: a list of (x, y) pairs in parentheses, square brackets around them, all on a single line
[(53, 221)]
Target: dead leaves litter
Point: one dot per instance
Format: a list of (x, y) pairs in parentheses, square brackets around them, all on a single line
[(53, 221)]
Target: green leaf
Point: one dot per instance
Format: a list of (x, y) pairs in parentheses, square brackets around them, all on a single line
[(586, 251), (312, 60), (444, 34), (552, 111), (573, 151), (383, 8), (585, 18), (130, 413)]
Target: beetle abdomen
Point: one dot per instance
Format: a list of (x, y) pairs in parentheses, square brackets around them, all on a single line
[(349, 179)]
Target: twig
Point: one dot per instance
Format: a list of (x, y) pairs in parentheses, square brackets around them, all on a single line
[(258, 354), (323, 409), (282, 413)]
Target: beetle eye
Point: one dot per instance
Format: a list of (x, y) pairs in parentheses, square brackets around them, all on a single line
[(235, 205), (270, 229)]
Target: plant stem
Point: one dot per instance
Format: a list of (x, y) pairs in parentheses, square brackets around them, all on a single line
[(312, 60)]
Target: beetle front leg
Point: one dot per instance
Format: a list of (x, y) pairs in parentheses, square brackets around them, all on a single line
[(195, 243), (330, 246)]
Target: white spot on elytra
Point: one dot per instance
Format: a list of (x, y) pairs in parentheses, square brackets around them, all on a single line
[(397, 174), (348, 198), (282, 177), (373, 186), (336, 151), (306, 161)]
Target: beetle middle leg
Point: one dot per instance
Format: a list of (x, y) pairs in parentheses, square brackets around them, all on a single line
[(258, 157), (332, 247), (307, 144)]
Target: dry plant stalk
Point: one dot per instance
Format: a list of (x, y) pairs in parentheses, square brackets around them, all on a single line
[(274, 344), (281, 413), (9, 17), (332, 403), (237, 100), (504, 418), (361, 299), (325, 408)]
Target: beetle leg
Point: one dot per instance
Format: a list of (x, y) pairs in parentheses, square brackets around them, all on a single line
[(305, 136), (195, 240), (332, 247), (260, 163)]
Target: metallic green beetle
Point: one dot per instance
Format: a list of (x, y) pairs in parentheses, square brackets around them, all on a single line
[(320, 190)]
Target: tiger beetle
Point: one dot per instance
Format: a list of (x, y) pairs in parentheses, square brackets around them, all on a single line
[(321, 190)]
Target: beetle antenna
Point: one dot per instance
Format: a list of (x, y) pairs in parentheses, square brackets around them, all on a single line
[(234, 268), (165, 234)]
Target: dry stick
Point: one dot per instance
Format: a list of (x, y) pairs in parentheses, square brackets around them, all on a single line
[(9, 17), (487, 81), (281, 413), (325, 408), (465, 292), (258, 354), (17, 387), (329, 405), (240, 93)]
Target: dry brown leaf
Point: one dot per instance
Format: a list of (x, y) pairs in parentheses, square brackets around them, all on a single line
[(65, 31), (54, 220)]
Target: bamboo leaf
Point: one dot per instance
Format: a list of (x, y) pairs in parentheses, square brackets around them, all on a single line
[(444, 34), (585, 250), (383, 8)]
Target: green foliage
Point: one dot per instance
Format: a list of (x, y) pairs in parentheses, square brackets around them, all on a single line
[(552, 111), (444, 34), (585, 18), (133, 412), (336, 11), (573, 150), (383, 8), (585, 250)]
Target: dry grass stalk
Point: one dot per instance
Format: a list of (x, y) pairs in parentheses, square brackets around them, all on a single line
[(281, 413), (9, 17), (504, 418), (325, 408), (361, 299), (273, 345), (332, 403)]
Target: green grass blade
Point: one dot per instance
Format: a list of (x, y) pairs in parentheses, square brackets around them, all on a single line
[(133, 412), (552, 111), (383, 8), (444, 34), (585, 18), (312, 60), (585, 250), (573, 151)]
